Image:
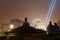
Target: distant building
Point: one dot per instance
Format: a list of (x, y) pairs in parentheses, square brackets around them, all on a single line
[(27, 29)]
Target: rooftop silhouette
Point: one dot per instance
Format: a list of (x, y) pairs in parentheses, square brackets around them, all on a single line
[(27, 29)]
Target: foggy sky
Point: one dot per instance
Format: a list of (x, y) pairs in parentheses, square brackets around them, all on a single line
[(18, 9)]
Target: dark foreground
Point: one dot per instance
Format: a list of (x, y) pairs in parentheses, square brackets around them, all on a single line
[(32, 37)]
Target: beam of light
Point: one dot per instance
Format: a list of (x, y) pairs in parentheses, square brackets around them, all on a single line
[(50, 12)]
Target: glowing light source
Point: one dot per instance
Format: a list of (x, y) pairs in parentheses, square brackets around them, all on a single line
[(50, 12), (11, 26), (38, 24), (36, 21)]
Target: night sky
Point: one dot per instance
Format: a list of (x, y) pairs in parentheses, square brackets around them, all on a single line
[(18, 9)]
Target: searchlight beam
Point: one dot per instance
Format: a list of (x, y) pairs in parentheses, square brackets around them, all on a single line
[(50, 11)]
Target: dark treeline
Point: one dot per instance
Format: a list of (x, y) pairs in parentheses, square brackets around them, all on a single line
[(52, 28)]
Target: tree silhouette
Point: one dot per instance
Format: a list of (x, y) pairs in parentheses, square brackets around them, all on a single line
[(58, 23), (56, 28), (50, 27)]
